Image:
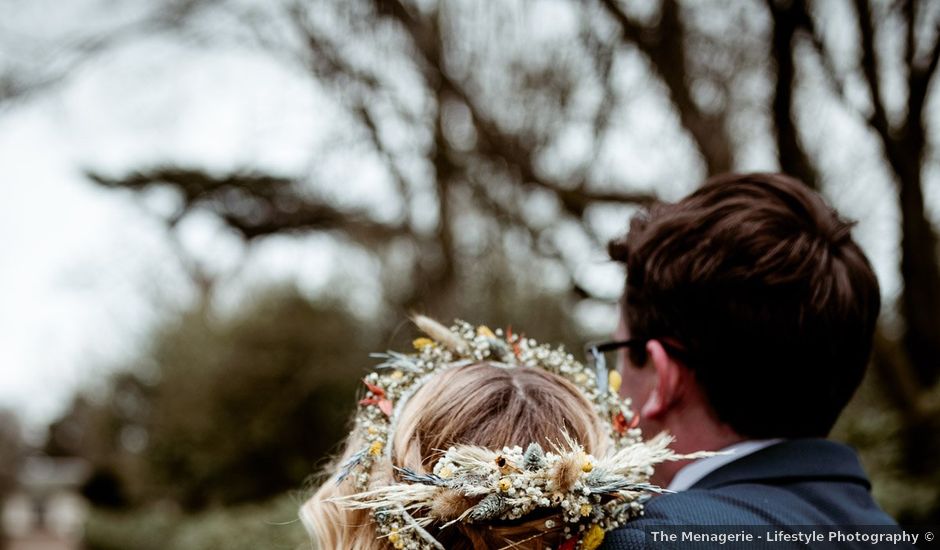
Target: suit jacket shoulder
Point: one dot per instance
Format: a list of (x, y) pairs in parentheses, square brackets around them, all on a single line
[(795, 483)]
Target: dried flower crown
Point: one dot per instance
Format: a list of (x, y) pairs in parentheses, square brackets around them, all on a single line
[(475, 484)]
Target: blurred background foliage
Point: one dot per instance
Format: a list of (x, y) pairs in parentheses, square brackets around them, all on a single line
[(269, 524), (506, 143), (12, 450)]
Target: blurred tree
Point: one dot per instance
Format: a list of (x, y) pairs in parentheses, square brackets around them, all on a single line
[(225, 408), (489, 133), (472, 114), (98, 428), (246, 406), (240, 406), (12, 451)]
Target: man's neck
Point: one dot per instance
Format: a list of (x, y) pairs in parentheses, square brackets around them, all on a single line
[(694, 432)]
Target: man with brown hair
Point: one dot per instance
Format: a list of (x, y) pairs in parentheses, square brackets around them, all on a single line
[(747, 323)]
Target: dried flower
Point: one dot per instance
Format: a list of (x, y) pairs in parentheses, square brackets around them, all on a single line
[(593, 538), (485, 332), (566, 472), (614, 380), (421, 343), (534, 457), (440, 333), (378, 398), (449, 504), (490, 507), (619, 422)]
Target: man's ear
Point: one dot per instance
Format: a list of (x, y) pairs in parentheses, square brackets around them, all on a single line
[(666, 383)]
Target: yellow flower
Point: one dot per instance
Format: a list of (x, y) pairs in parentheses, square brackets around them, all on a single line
[(421, 343), (587, 466), (586, 510), (446, 472), (505, 484), (372, 430), (614, 380), (376, 448), (593, 538), (394, 537), (580, 378), (396, 375), (485, 331)]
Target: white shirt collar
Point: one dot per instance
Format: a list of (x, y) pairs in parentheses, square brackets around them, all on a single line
[(691, 473)]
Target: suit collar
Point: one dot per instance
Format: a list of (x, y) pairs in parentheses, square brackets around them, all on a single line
[(793, 460)]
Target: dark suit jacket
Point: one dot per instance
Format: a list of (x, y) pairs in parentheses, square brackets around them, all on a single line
[(803, 482)]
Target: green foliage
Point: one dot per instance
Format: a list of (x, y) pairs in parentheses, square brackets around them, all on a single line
[(244, 407), (226, 408), (879, 431), (240, 406), (96, 428), (12, 449), (272, 525), (146, 529)]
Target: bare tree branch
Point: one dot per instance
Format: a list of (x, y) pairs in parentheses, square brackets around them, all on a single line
[(793, 158), (324, 60), (371, 125), (904, 151), (514, 219), (910, 45), (879, 117), (919, 78), (665, 46), (495, 142), (75, 52), (836, 81), (256, 205)]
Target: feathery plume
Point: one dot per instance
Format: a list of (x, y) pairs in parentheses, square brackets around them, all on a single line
[(440, 333)]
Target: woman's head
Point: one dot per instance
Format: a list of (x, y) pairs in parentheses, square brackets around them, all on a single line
[(481, 404)]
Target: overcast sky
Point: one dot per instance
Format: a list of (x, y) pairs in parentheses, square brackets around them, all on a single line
[(86, 271)]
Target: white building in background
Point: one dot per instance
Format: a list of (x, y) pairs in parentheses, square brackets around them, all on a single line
[(47, 501)]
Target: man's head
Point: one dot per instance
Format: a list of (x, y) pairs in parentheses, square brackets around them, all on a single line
[(772, 303)]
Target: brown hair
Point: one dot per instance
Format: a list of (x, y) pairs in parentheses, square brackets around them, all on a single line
[(762, 284), (479, 404)]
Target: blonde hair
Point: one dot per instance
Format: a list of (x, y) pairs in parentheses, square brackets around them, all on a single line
[(480, 404)]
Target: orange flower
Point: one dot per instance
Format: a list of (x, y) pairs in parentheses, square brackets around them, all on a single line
[(620, 423), (516, 350), (377, 398), (635, 422)]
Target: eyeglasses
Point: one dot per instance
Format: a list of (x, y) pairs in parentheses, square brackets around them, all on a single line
[(595, 351)]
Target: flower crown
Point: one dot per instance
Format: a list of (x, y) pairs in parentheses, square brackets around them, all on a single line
[(474, 484)]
